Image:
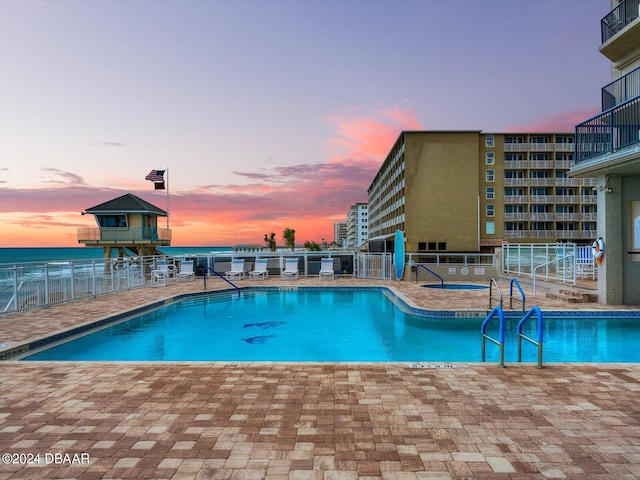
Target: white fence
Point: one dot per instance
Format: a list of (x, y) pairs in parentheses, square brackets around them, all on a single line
[(560, 261)]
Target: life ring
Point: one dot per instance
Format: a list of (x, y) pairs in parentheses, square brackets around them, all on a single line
[(597, 248)]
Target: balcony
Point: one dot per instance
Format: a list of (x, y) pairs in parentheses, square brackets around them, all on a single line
[(124, 236), (621, 90), (620, 35), (615, 131)]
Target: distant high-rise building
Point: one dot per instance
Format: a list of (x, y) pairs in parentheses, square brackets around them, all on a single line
[(340, 234), (357, 225)]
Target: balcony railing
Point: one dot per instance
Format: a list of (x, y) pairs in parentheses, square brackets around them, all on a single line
[(620, 90), (616, 128), (125, 235), (618, 18)]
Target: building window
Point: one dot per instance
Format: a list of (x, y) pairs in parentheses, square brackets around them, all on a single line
[(442, 246), (489, 141), (490, 228), (514, 157), (490, 158), (109, 221), (422, 246), (563, 139), (491, 210), (490, 193), (514, 140), (539, 140), (490, 175), (432, 245), (539, 156)]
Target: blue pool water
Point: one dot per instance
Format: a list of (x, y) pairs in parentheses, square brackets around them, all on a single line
[(335, 325)]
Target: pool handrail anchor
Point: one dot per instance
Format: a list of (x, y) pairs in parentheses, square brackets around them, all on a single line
[(500, 342), (521, 335), (419, 265), (523, 298), (209, 269), (491, 297)]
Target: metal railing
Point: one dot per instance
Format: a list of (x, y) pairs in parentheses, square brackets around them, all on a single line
[(35, 285), (564, 261), (614, 129), (621, 16), (500, 340), (124, 234), (620, 90), (538, 341), (522, 298), (26, 286), (431, 272), (491, 297)]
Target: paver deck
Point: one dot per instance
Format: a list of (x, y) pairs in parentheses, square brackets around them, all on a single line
[(320, 421)]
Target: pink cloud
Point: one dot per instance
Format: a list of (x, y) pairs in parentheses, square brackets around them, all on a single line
[(306, 197), (560, 122)]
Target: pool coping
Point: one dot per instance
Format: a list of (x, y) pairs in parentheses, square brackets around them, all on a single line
[(15, 351)]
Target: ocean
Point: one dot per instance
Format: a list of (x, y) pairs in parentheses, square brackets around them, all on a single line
[(25, 255)]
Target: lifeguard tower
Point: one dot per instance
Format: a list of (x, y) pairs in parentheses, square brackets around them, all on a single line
[(127, 223)]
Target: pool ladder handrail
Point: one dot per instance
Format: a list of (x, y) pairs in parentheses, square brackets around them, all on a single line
[(491, 297), (500, 342), (419, 265), (537, 342), (209, 269), (522, 300)]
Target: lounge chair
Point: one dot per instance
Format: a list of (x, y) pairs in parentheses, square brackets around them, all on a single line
[(158, 277), (168, 269), (186, 272), (290, 271), (326, 268), (237, 270), (260, 271)]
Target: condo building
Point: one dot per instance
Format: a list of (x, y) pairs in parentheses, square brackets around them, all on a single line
[(608, 148), (469, 191), (357, 225), (340, 234)]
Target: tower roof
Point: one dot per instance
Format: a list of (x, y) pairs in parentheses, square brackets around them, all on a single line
[(127, 203)]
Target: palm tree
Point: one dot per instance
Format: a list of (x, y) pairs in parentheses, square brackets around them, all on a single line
[(312, 246), (270, 241), (289, 235)]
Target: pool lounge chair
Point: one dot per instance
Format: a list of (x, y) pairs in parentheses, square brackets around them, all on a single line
[(326, 268), (168, 269), (290, 271), (158, 277), (259, 271), (237, 270), (186, 272)]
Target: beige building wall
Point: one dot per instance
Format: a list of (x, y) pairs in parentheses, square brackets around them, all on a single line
[(441, 188)]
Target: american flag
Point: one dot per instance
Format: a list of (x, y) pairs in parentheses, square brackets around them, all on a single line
[(155, 176)]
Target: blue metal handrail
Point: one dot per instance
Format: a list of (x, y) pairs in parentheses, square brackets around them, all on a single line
[(514, 281), (500, 342), (431, 272), (521, 335), (209, 269)]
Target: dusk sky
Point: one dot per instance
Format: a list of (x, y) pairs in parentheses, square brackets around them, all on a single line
[(268, 114)]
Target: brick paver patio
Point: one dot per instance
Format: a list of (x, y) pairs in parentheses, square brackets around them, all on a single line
[(320, 421)]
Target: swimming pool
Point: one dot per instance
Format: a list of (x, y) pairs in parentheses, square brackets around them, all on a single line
[(336, 325)]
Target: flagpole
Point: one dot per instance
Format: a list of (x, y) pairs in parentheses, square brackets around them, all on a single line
[(167, 183)]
